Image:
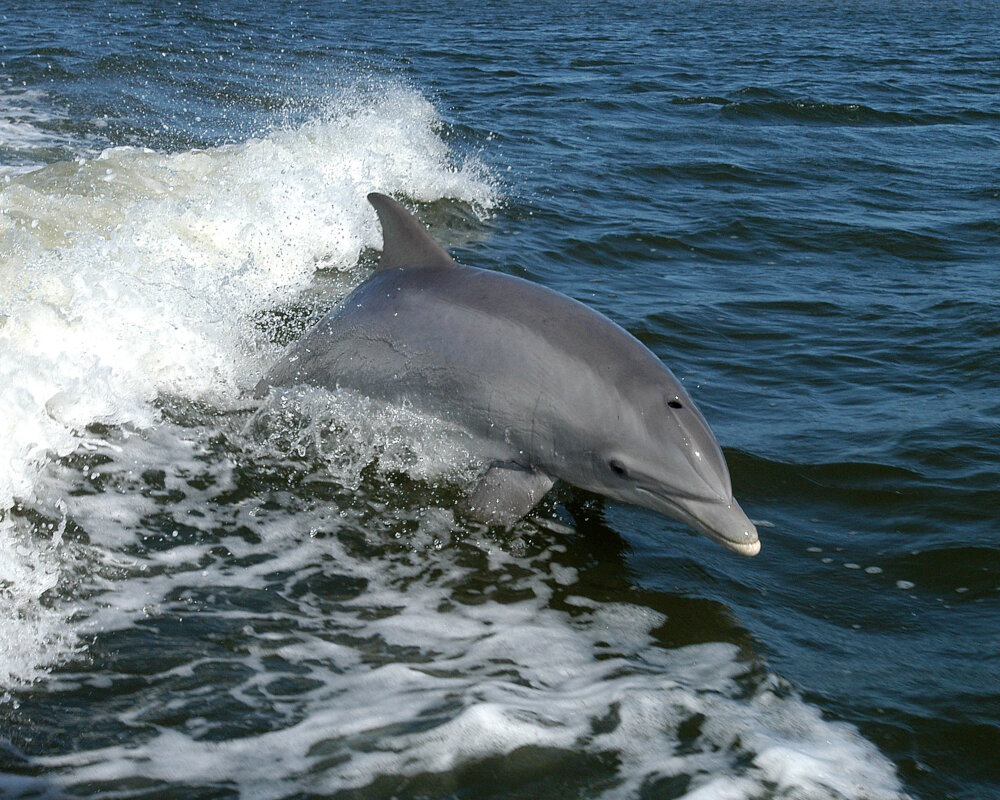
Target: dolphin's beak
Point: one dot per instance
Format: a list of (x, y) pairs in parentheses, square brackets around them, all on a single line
[(721, 520), (727, 524)]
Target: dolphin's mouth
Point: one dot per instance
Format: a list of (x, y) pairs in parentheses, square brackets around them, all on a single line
[(724, 522)]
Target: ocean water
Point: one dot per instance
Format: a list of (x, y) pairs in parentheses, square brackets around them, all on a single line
[(202, 595)]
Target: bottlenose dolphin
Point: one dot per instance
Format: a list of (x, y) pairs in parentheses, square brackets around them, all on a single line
[(549, 388)]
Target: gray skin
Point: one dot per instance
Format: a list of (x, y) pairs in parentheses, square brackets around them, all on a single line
[(549, 388)]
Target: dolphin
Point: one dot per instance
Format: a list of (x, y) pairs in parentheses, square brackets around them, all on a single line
[(549, 388)]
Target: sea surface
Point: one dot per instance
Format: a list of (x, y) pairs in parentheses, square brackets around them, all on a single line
[(202, 595)]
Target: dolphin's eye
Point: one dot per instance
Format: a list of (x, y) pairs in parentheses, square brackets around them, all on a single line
[(618, 468), (675, 403)]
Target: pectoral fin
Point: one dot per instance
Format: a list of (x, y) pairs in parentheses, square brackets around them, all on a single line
[(506, 493)]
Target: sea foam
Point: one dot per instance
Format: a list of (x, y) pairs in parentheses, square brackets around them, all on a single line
[(360, 660), (29, 126), (136, 274)]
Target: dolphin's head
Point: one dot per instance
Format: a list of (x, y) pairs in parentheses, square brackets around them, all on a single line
[(660, 453)]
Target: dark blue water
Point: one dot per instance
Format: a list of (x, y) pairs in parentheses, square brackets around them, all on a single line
[(796, 208)]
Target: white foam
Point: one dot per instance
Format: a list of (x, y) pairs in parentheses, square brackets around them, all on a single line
[(406, 679), (33, 633), (467, 681), (137, 274), (25, 127)]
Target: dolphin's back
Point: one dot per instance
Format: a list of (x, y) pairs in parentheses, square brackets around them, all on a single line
[(431, 335)]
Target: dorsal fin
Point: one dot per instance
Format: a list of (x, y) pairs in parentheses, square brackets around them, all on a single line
[(405, 242)]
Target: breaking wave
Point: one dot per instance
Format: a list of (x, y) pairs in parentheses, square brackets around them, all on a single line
[(137, 274)]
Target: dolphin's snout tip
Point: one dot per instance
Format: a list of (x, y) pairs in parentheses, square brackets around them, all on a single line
[(734, 529), (748, 548), (727, 524)]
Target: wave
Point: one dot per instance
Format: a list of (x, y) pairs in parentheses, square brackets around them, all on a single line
[(869, 483), (766, 104), (136, 274)]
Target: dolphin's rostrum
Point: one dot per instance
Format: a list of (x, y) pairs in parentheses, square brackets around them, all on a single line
[(549, 388)]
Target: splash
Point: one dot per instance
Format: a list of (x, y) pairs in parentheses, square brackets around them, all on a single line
[(137, 274)]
